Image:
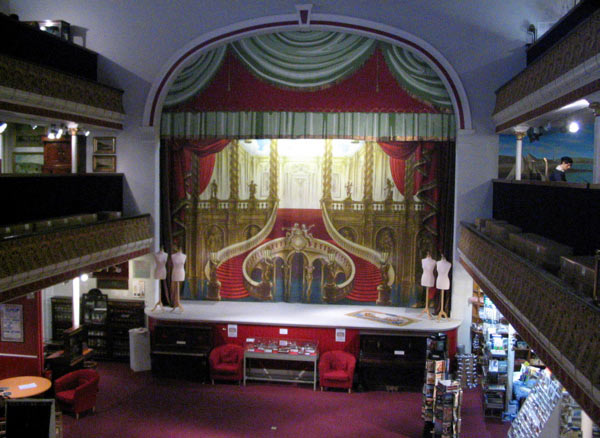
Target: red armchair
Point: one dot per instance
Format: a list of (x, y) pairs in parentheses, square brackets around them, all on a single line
[(226, 363), (76, 391), (336, 370)]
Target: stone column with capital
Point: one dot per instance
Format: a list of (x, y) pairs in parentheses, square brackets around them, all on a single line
[(519, 133), (595, 106)]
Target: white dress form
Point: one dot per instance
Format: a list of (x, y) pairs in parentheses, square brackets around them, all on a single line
[(178, 260), (443, 283), (428, 264), (443, 268), (177, 275), (160, 271), (427, 280)]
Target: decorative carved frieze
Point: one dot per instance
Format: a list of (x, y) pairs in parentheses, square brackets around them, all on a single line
[(31, 262), (580, 46), (21, 82), (560, 325)]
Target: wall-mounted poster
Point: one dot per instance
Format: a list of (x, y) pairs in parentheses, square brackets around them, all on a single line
[(11, 317)]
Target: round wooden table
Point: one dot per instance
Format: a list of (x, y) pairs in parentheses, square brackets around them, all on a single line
[(25, 386)]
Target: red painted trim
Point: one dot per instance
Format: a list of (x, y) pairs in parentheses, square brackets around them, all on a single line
[(25, 109), (316, 22)]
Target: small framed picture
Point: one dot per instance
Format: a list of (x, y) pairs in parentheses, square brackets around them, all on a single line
[(104, 163), (105, 145)]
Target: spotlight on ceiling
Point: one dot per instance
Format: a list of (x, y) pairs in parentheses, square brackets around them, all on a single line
[(52, 132), (3, 126), (573, 127), (34, 126), (84, 277)]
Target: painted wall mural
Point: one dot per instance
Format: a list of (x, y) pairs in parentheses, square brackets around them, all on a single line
[(552, 145), (308, 167)]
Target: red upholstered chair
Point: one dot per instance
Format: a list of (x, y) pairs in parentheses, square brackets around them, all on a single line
[(336, 370), (76, 391), (226, 363)]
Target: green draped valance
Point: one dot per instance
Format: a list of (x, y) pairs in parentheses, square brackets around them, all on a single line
[(367, 126)]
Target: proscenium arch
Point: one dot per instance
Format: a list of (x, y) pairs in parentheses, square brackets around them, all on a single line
[(265, 25)]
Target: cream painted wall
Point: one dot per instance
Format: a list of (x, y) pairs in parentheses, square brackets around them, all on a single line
[(483, 40)]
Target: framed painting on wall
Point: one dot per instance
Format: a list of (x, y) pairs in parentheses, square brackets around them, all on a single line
[(28, 162), (105, 145), (104, 163)]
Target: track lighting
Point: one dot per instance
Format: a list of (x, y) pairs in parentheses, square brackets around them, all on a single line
[(3, 126)]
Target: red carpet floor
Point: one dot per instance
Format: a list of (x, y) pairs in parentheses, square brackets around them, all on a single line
[(365, 281), (139, 405)]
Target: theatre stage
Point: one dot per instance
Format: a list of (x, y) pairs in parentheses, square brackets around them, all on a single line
[(303, 315)]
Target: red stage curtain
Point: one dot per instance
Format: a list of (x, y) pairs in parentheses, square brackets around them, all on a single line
[(426, 175), (181, 151), (398, 151)]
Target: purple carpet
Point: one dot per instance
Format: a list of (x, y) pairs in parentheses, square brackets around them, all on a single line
[(140, 405)]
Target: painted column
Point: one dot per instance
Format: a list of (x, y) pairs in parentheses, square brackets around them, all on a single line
[(327, 170), (273, 172), (595, 106), (519, 153)]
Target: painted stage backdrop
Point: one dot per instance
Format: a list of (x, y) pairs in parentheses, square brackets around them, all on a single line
[(309, 167)]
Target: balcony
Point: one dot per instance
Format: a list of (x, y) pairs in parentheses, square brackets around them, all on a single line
[(560, 323), (55, 227)]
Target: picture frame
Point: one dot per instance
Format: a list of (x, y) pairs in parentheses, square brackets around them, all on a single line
[(104, 163), (11, 316), (28, 162), (105, 145)]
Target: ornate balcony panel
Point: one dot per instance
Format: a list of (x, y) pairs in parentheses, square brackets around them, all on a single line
[(566, 72), (32, 262), (33, 89), (560, 325)]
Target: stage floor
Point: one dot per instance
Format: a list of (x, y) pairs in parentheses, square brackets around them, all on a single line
[(305, 315)]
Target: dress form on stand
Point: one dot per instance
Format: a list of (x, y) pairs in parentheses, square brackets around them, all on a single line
[(160, 273), (177, 276), (427, 280), (443, 283)]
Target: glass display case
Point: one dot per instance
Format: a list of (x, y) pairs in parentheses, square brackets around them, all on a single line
[(281, 360), (281, 346)]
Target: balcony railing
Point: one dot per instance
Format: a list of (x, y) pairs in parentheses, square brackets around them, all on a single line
[(31, 262), (557, 322)]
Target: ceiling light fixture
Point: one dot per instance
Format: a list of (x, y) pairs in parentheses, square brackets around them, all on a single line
[(3, 126), (573, 127)]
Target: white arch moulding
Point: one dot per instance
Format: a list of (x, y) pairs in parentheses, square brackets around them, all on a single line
[(264, 25)]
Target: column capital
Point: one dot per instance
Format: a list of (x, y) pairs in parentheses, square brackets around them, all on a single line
[(520, 131), (595, 106)]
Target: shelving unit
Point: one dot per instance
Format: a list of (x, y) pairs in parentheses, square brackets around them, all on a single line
[(437, 367), (477, 338), (123, 315), (538, 408), (62, 314), (94, 316), (494, 361), (523, 353), (448, 400), (107, 330)]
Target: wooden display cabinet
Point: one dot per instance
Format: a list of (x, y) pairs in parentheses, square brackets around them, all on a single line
[(57, 155)]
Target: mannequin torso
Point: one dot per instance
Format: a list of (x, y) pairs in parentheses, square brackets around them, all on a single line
[(428, 265), (443, 268), (178, 260), (160, 258)]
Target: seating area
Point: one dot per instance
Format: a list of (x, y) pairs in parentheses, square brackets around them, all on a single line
[(226, 363), (336, 370), (76, 391)]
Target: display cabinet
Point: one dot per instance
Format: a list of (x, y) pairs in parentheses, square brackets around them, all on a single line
[(62, 316), (448, 401), (281, 360), (57, 155), (437, 367), (94, 316), (123, 315)]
